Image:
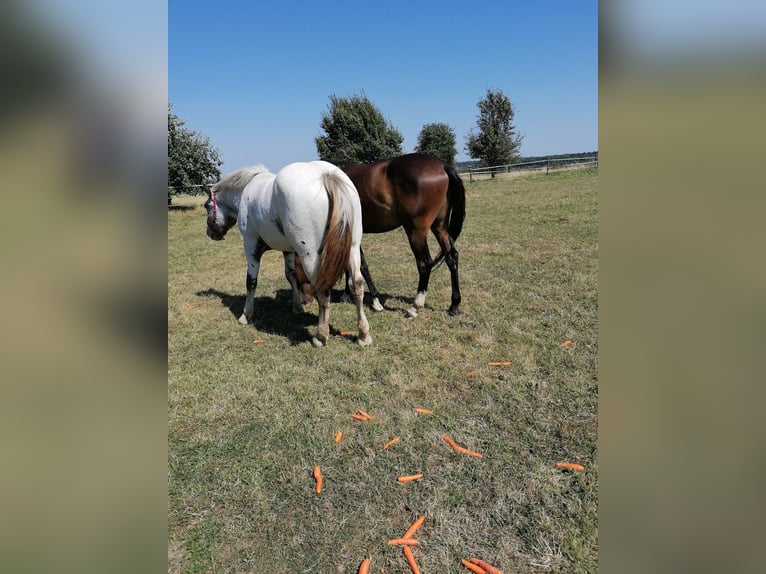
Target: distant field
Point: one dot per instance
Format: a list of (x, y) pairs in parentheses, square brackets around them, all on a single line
[(247, 422)]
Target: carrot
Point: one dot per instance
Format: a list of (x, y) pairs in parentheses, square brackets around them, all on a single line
[(470, 373), (364, 567), (364, 414), (450, 442), (500, 364), (488, 567), (259, 341), (318, 478), (339, 436), (565, 343), (423, 411), (571, 466), (411, 560), (404, 541), (413, 527), (345, 333), (392, 442), (461, 449), (473, 567), (358, 417), (410, 478)]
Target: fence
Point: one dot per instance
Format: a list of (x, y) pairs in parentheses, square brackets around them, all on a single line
[(547, 165)]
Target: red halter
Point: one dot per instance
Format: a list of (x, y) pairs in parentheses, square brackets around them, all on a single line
[(215, 208)]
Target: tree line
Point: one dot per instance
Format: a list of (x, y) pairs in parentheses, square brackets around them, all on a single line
[(355, 131)]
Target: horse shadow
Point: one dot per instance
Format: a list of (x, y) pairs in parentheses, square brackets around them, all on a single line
[(273, 315)]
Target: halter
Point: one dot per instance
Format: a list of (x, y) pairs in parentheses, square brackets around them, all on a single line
[(215, 207)]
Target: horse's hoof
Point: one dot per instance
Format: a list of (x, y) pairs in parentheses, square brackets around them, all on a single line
[(243, 320), (366, 342), (316, 342), (453, 311), (411, 313), (376, 306), (298, 309)]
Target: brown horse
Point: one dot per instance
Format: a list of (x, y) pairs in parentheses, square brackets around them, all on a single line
[(419, 193)]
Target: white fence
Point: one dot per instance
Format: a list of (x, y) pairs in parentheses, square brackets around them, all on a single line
[(546, 165)]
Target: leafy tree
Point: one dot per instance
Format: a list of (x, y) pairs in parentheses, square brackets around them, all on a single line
[(356, 132), (497, 142), (438, 140), (192, 161)]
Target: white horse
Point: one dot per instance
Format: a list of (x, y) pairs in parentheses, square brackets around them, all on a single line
[(311, 209)]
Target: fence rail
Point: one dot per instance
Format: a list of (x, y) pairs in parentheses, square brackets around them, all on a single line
[(549, 164)]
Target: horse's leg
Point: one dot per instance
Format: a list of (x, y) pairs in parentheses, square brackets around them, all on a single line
[(370, 285), (292, 278), (254, 249), (451, 257), (354, 270), (323, 329), (419, 245)]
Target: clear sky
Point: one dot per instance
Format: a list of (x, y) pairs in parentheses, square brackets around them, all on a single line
[(256, 76)]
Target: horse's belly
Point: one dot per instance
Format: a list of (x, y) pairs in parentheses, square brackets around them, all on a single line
[(275, 239)]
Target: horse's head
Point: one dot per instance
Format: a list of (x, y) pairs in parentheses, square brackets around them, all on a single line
[(220, 216)]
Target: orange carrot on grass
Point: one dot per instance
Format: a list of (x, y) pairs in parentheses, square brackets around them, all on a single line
[(423, 411), (413, 527), (473, 567), (318, 478), (345, 333), (259, 341), (565, 343), (411, 560), (571, 466), (364, 414), (470, 373), (339, 436), (364, 567), (488, 567), (403, 541), (500, 364), (410, 477), (358, 417), (461, 449), (392, 442)]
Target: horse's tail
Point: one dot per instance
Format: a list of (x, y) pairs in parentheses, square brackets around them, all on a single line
[(455, 202), (455, 208), (336, 246)]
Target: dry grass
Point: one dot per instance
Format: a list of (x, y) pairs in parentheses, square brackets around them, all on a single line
[(248, 422)]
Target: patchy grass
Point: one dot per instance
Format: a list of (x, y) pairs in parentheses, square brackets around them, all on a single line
[(248, 422)]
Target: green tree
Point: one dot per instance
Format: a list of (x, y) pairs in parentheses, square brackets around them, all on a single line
[(356, 132), (192, 160), (497, 142), (438, 140)]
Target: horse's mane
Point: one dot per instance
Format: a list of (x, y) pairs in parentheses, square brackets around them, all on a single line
[(237, 180)]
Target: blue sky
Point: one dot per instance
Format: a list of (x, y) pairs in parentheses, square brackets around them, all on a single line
[(256, 76)]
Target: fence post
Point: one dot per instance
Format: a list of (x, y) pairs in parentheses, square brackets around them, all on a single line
[(470, 174), (547, 165)]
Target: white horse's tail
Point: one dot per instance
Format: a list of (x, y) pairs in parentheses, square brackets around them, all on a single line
[(238, 180), (338, 235)]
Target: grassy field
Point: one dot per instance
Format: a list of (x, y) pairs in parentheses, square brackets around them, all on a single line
[(247, 422)]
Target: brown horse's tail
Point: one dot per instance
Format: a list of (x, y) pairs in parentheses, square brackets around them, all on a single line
[(455, 208), (336, 247), (455, 202)]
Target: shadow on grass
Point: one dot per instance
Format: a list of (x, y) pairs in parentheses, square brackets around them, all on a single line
[(272, 315)]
